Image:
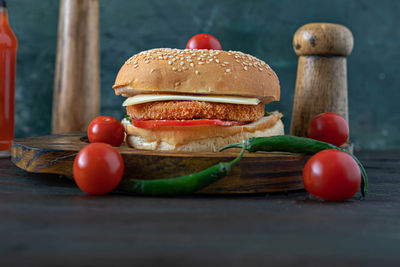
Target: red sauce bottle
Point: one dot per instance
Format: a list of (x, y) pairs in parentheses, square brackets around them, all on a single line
[(8, 52)]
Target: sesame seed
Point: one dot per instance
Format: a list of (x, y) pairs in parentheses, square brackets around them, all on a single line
[(151, 71), (210, 59), (226, 62), (179, 70), (245, 68), (197, 72), (200, 63), (260, 69), (191, 65), (228, 70), (250, 64), (182, 63), (173, 68), (135, 66), (147, 61), (216, 60), (170, 62), (183, 68)]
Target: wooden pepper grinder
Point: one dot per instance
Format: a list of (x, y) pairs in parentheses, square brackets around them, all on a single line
[(321, 84), (76, 98)]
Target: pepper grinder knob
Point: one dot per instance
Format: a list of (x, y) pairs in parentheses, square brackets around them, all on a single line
[(321, 84)]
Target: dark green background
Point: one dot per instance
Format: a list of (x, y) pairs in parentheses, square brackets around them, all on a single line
[(261, 28)]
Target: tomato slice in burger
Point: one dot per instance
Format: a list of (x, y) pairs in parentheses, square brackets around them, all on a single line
[(178, 123)]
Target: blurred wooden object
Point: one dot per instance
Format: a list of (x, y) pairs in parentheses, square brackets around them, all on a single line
[(76, 98), (321, 84)]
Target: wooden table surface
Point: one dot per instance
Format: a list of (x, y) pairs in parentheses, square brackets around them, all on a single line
[(46, 221)]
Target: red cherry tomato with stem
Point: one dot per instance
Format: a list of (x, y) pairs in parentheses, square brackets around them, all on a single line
[(332, 175), (106, 129), (329, 127), (98, 169), (203, 41)]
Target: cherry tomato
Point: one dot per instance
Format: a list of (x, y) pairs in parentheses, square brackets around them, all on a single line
[(330, 128), (332, 175), (106, 129), (164, 123), (98, 168), (203, 41)]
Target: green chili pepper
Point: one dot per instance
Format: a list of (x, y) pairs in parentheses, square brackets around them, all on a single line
[(295, 144), (183, 185)]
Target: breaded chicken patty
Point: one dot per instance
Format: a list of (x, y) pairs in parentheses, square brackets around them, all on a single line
[(186, 110)]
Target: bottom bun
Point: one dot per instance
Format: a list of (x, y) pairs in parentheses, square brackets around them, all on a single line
[(200, 138)]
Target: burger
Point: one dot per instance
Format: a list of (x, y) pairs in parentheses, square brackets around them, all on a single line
[(196, 100)]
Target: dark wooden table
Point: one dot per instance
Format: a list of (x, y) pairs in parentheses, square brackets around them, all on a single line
[(46, 221)]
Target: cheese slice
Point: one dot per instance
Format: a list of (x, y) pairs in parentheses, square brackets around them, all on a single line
[(145, 98)]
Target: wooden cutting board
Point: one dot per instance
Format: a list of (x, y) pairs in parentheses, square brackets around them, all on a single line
[(255, 173)]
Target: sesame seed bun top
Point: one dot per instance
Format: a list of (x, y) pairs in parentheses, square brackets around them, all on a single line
[(194, 71)]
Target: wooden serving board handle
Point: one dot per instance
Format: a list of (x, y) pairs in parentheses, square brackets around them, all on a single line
[(76, 98), (321, 84)]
